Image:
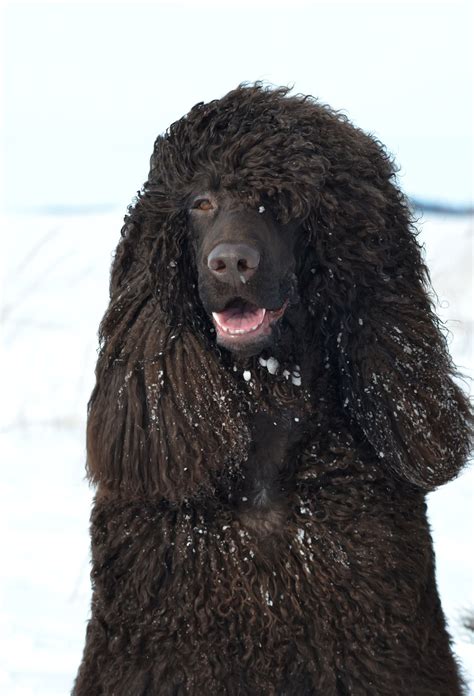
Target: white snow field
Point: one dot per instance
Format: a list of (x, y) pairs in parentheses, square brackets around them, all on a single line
[(55, 279)]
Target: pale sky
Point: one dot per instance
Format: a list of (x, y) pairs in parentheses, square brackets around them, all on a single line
[(88, 86)]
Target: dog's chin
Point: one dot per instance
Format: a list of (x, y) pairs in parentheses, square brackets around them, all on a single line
[(245, 328)]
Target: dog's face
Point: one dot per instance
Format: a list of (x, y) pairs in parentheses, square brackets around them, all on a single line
[(246, 268)]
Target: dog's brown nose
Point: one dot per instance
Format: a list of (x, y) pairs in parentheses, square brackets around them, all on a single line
[(233, 263)]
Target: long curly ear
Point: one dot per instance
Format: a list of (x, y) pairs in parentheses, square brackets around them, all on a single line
[(160, 391), (151, 411), (398, 385), (397, 381)]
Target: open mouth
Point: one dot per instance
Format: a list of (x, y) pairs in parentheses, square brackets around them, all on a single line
[(243, 321)]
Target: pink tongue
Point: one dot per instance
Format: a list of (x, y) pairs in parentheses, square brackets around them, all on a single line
[(238, 318)]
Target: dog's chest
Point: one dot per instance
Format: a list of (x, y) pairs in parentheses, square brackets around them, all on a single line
[(261, 502)]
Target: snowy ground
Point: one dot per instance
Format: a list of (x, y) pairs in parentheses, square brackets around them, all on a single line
[(55, 279)]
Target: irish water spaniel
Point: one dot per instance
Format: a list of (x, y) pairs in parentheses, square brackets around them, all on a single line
[(274, 400)]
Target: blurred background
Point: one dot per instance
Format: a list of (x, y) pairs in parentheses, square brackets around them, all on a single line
[(86, 88)]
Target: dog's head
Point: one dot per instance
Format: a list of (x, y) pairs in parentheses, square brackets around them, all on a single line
[(255, 204)]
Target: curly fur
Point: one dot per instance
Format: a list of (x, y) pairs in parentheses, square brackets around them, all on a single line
[(331, 588)]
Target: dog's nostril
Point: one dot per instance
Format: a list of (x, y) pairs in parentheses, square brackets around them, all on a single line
[(243, 265), (216, 264)]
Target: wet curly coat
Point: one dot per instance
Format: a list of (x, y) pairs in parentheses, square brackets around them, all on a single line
[(326, 585)]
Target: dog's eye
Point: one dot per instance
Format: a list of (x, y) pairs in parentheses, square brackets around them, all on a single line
[(202, 204)]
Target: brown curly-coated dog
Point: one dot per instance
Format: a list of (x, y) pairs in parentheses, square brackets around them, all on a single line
[(274, 399)]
